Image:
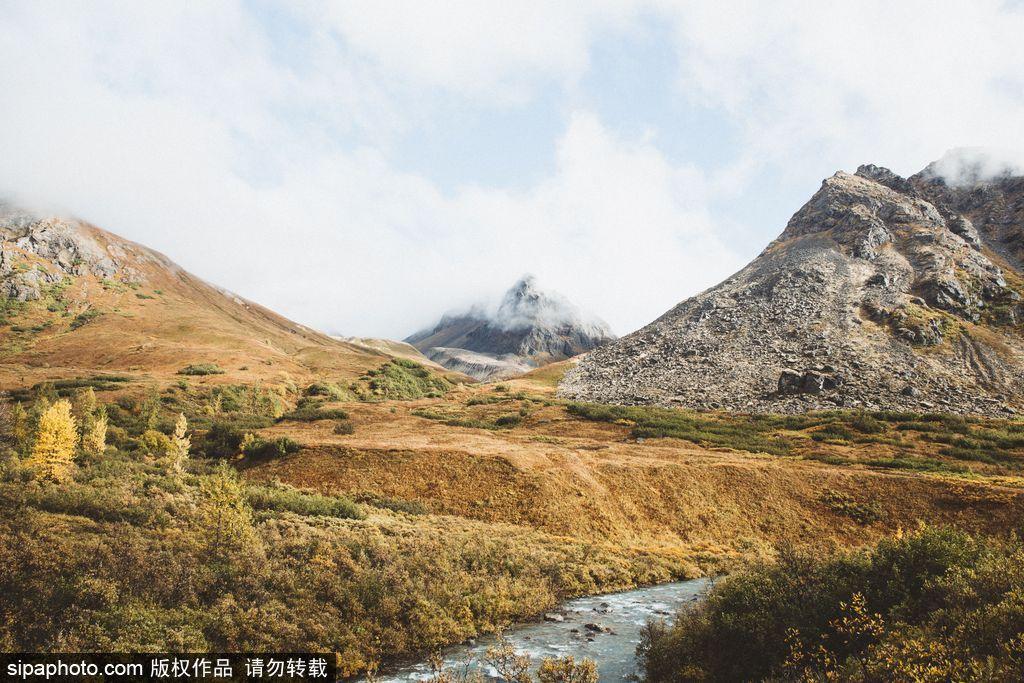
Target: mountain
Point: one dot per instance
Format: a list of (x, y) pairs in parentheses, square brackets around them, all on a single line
[(530, 328), (76, 299), (882, 292)]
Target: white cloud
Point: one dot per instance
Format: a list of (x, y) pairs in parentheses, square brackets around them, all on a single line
[(183, 127), (478, 47), (894, 83)]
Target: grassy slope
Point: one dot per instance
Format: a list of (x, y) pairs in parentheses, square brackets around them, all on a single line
[(154, 328)]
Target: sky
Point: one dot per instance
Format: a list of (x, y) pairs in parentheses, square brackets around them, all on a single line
[(364, 166)]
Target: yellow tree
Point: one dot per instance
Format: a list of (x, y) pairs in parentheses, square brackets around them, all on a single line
[(180, 444), (94, 441), (225, 517), (56, 439)]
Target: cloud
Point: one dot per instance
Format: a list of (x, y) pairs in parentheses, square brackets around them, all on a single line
[(965, 166), (816, 84), (255, 142), (476, 47)]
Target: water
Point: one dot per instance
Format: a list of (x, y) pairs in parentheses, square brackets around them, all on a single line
[(619, 616)]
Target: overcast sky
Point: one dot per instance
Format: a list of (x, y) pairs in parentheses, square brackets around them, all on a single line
[(363, 166)]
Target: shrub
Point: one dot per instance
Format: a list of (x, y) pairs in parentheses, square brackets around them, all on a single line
[(155, 443), (257, 447), (922, 602), (409, 507), (222, 440), (84, 318), (282, 498), (313, 413), (201, 369), (844, 504), (508, 420), (344, 427), (403, 380)]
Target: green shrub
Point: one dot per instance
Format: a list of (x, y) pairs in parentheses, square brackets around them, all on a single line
[(84, 318), (282, 498), (508, 420), (222, 440), (344, 427), (201, 369), (844, 504), (256, 447), (741, 432), (405, 380), (312, 413)]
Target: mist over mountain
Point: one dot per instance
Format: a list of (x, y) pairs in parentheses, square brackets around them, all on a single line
[(530, 327)]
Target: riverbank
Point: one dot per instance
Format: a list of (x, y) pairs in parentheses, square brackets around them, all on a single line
[(603, 628)]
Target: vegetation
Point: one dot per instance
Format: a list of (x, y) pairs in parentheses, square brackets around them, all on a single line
[(404, 380), (284, 498), (84, 318), (748, 434), (56, 440), (133, 556), (314, 412), (844, 504), (924, 442), (201, 369), (933, 605)]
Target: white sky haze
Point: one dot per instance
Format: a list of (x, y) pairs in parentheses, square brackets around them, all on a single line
[(364, 166)]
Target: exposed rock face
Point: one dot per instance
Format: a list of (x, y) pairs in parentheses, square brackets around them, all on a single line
[(530, 328), (68, 247), (882, 292)]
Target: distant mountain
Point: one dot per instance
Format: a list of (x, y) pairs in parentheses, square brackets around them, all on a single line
[(882, 292), (77, 299), (530, 328)]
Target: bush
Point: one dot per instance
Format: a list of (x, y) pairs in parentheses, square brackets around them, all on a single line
[(282, 498), (254, 446), (917, 607), (508, 420), (313, 413), (84, 318), (201, 369), (222, 440), (404, 380), (344, 427)]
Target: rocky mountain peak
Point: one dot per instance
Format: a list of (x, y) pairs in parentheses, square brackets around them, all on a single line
[(881, 291), (530, 327)]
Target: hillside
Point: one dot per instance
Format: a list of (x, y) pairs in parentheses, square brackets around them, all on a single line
[(881, 293), (77, 299), (375, 505), (530, 328)]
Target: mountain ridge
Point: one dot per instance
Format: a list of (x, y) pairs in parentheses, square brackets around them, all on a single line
[(880, 293)]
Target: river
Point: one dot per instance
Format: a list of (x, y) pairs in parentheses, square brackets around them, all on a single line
[(604, 628)]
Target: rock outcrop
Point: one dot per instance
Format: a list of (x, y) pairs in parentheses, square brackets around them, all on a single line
[(530, 328), (881, 292)]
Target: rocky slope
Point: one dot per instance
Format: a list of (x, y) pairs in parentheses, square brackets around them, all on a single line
[(881, 292), (530, 328), (75, 299)]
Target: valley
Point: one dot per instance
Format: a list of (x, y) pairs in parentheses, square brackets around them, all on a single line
[(184, 470)]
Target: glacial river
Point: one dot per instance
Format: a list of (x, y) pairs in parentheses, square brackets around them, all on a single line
[(604, 628)]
